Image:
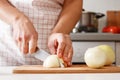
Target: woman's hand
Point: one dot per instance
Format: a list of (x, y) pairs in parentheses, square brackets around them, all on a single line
[(25, 34), (61, 45)]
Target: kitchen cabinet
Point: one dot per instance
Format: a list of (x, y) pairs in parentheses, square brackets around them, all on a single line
[(80, 47), (83, 41)]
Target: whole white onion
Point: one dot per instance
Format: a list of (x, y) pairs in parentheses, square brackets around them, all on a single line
[(95, 57), (110, 53)]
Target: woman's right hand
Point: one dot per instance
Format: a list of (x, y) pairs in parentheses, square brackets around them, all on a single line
[(25, 34)]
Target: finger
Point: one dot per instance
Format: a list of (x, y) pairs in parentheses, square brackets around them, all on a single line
[(25, 46), (65, 54), (32, 45), (52, 47), (52, 50), (70, 55), (60, 49)]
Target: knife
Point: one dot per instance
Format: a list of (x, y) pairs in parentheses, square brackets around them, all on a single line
[(42, 55)]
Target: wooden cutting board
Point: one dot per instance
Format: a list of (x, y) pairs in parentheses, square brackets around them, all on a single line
[(113, 18), (38, 69)]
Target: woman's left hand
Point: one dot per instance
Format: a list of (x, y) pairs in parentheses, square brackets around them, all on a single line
[(61, 45)]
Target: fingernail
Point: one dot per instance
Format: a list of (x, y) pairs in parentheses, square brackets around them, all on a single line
[(25, 51), (70, 63)]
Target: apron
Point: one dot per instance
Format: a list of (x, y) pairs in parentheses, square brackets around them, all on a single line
[(44, 15)]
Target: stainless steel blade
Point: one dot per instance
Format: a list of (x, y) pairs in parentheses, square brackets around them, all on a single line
[(41, 54)]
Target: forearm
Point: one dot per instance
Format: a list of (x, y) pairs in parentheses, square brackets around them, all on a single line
[(8, 13), (70, 14)]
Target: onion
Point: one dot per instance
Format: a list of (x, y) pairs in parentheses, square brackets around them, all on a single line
[(110, 53), (52, 61), (95, 57)]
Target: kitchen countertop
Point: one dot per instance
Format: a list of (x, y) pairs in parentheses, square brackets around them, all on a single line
[(95, 37), (6, 73)]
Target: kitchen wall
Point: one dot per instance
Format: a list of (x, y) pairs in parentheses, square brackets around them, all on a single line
[(101, 6)]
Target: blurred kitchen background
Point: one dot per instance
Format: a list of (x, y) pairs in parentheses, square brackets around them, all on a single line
[(100, 6), (90, 37)]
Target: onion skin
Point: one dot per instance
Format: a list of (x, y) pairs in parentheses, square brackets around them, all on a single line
[(95, 58), (52, 61), (99, 56), (110, 53)]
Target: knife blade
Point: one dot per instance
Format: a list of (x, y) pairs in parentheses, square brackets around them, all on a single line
[(41, 54)]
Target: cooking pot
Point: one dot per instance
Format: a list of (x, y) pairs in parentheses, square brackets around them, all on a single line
[(89, 21)]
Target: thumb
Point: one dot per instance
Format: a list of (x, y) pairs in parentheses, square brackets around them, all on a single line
[(53, 47)]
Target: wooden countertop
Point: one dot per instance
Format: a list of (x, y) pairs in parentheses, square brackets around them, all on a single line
[(5, 75), (82, 76)]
